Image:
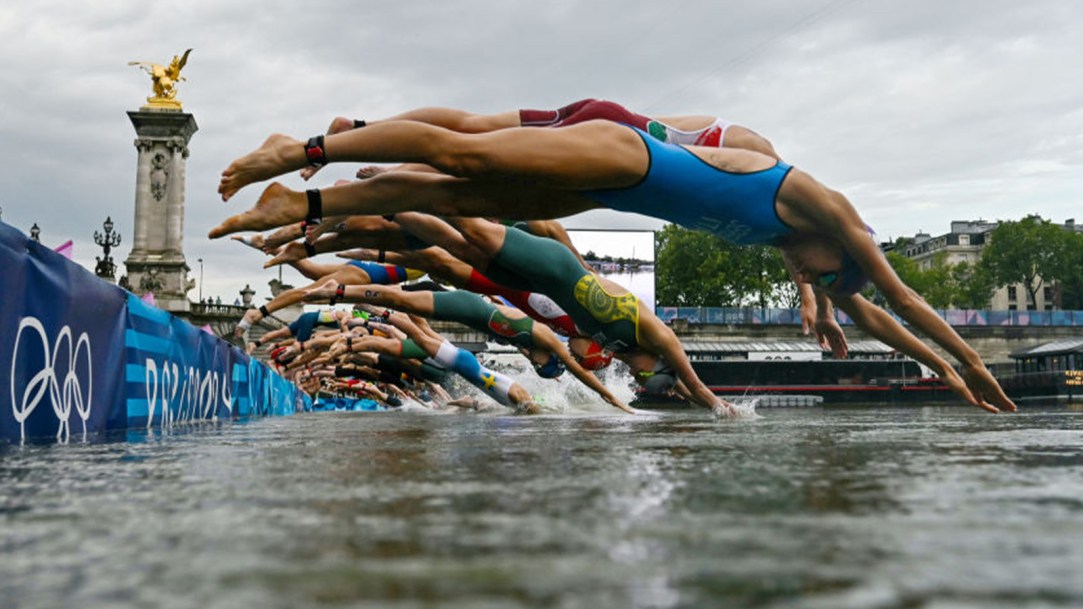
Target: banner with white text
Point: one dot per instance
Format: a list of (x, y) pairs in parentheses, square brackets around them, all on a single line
[(80, 356)]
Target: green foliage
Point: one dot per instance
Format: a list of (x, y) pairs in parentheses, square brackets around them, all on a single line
[(907, 270), (943, 285), (698, 269), (974, 285), (1070, 271), (694, 268), (1025, 252)]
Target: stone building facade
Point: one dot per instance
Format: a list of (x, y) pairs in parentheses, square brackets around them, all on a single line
[(964, 244)]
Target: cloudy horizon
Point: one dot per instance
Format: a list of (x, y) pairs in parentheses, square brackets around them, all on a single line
[(921, 113)]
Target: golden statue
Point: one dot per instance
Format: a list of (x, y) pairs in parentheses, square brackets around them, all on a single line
[(165, 80)]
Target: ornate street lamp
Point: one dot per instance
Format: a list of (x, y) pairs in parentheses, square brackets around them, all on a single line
[(106, 268), (246, 295), (35, 233)]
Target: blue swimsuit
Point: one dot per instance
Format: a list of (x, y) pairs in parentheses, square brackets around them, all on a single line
[(383, 274), (682, 188)]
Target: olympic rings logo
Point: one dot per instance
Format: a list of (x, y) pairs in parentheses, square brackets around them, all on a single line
[(60, 376)]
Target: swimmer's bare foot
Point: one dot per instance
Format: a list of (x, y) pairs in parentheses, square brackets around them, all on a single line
[(322, 293), (369, 171), (277, 155), (338, 125), (277, 206), (292, 252), (253, 241)]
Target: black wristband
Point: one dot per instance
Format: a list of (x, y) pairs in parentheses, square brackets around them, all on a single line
[(263, 311), (357, 124), (314, 151), (315, 207)]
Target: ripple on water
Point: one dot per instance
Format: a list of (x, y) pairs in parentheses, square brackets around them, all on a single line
[(835, 508)]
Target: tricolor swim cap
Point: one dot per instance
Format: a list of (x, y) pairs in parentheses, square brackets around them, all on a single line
[(596, 357)]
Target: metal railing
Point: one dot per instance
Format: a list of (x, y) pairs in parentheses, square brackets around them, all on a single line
[(954, 317)]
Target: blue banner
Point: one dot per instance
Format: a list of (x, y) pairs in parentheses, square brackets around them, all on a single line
[(954, 317), (80, 356)]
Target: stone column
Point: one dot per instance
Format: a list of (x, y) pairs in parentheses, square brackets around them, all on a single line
[(156, 262), (142, 173), (174, 233)]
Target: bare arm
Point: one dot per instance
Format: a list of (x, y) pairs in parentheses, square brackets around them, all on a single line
[(920, 315), (827, 211), (296, 250), (545, 337), (818, 314), (658, 338), (828, 331), (878, 323), (808, 305), (313, 270)]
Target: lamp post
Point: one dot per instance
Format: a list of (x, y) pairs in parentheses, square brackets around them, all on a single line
[(246, 295), (105, 268), (35, 233), (200, 260)]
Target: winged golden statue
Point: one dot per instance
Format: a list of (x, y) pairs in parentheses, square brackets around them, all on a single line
[(165, 79)]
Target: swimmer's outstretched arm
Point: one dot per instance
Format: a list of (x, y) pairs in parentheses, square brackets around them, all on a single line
[(658, 338), (545, 337), (828, 331), (981, 388), (879, 324)]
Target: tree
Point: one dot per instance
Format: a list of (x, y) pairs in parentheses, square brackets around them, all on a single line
[(1024, 252), (944, 285), (694, 268), (1070, 271), (688, 269), (974, 286), (940, 289), (759, 278), (907, 270)]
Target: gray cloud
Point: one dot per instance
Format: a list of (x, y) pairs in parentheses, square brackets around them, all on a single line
[(921, 112)]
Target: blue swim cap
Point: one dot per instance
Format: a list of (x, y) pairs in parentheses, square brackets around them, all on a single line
[(551, 369)]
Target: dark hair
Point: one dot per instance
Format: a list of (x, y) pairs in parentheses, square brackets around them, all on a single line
[(851, 279)]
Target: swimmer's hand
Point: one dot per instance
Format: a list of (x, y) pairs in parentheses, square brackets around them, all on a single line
[(952, 379), (724, 409), (986, 390), (831, 337)]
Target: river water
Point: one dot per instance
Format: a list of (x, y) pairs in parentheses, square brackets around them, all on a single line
[(921, 507)]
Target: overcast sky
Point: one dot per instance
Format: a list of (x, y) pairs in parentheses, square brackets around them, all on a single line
[(921, 112)]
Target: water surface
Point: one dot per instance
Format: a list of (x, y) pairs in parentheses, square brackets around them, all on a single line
[(834, 508)]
